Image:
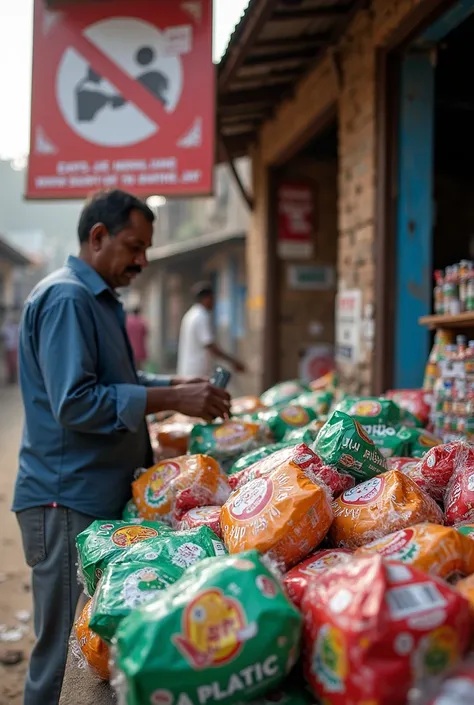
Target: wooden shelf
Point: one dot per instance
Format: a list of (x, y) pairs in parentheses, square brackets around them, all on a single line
[(461, 320)]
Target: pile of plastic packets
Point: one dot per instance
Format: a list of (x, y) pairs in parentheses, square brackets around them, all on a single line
[(314, 548)]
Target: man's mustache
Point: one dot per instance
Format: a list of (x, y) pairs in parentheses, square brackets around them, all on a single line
[(134, 270)]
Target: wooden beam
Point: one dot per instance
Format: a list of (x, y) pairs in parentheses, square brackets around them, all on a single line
[(327, 13), (228, 158), (253, 25), (249, 116), (262, 96), (305, 41), (260, 59)]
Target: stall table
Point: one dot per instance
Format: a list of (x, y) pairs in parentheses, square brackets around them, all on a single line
[(80, 687)]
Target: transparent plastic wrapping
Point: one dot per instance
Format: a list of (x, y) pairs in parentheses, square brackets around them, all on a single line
[(87, 648), (209, 516), (459, 491), (437, 550), (225, 630), (286, 512), (379, 507), (227, 440), (456, 688), (298, 578), (171, 488), (104, 540), (374, 629)]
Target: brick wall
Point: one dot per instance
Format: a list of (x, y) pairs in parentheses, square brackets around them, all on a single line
[(355, 95)]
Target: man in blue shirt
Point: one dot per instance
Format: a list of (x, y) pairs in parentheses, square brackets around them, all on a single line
[(85, 405)]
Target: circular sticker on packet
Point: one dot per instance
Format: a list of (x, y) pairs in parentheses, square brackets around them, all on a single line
[(295, 416), (252, 499), (364, 493), (130, 535), (367, 407)]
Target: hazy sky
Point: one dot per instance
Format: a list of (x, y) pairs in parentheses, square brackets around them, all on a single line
[(16, 29)]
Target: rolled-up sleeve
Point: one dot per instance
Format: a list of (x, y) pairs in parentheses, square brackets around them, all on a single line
[(149, 380), (67, 353)]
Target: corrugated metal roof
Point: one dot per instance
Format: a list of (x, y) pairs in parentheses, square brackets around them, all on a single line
[(270, 50)]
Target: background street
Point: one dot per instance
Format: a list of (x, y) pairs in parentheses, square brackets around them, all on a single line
[(14, 574)]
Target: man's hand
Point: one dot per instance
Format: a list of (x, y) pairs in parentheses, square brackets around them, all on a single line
[(176, 381), (202, 400)]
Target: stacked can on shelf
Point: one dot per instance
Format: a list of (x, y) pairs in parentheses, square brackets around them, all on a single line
[(454, 289), (453, 391)]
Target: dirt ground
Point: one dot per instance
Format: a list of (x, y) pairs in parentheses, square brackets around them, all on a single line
[(15, 593)]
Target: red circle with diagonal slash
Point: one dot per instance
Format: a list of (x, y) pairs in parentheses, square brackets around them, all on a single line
[(196, 66)]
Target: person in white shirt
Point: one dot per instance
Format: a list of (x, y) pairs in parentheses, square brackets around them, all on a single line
[(197, 345)]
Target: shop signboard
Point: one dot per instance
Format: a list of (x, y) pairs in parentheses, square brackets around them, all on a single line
[(348, 326), (123, 97), (310, 277), (296, 218)]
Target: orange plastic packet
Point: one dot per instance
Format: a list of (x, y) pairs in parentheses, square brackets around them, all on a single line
[(94, 651), (437, 550), (169, 489), (173, 434), (378, 507), (246, 405), (284, 513)]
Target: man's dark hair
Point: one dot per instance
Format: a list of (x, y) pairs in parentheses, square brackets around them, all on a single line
[(112, 208), (201, 290)]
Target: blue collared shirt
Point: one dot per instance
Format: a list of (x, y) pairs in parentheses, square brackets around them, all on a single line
[(85, 431)]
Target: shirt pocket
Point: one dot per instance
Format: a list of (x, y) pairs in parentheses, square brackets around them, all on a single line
[(32, 527)]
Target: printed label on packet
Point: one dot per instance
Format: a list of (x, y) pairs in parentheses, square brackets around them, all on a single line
[(231, 435), (155, 492), (252, 499), (295, 416), (366, 408), (365, 493), (129, 535)]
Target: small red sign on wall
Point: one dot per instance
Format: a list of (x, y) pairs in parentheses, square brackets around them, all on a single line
[(123, 97), (295, 220)]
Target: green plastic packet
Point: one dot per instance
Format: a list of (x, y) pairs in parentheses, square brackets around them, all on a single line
[(307, 434), (419, 441), (320, 402), (280, 421), (131, 511), (123, 588), (248, 459), (409, 419), (283, 393), (343, 442), (229, 439), (181, 549), (224, 633), (104, 540), (371, 411), (388, 440)]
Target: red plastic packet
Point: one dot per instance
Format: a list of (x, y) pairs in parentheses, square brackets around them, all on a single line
[(202, 516), (440, 463), (298, 578), (373, 628), (459, 501), (416, 401)]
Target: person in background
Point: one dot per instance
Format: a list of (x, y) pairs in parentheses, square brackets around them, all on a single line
[(197, 345), (85, 430), (137, 330), (9, 333)]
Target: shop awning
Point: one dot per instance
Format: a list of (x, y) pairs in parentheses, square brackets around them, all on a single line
[(13, 256), (189, 248), (273, 46)]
